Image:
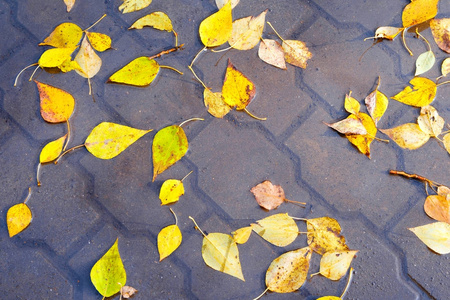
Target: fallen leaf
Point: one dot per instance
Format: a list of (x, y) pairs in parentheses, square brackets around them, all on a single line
[(215, 104), (69, 4), (424, 62), (52, 150), (446, 140), (107, 140), (108, 274), (351, 105), (133, 5), (419, 11), (324, 235), (422, 93), (56, 105), (430, 122), (363, 141), (271, 52), (329, 298), (296, 53), (169, 239), (443, 190), (288, 272), (69, 65), (280, 229), (237, 89), (216, 29), (139, 72), (170, 144), (157, 20), (334, 265), (219, 251), (247, 32), (242, 235), (65, 35), (18, 218), (55, 57), (221, 3), (376, 104), (438, 207), (267, 195), (407, 136), (445, 67), (99, 41), (128, 291), (349, 126), (440, 28), (171, 190), (435, 235), (88, 60), (387, 32)]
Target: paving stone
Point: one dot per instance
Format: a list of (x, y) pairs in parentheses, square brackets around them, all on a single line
[(14, 38)]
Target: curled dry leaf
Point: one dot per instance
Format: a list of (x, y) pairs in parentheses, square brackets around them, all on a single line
[(351, 105), (387, 32), (99, 41), (247, 32), (157, 20), (438, 207), (430, 122), (334, 265), (280, 229), (56, 105), (324, 235), (242, 235), (89, 62), (376, 103), (65, 35), (128, 291), (171, 190), (363, 141), (435, 235), (296, 53), (18, 218), (440, 28), (237, 89), (349, 126), (52, 150), (419, 11), (267, 195), (216, 29), (422, 93), (424, 62), (271, 52), (139, 72), (133, 5), (407, 136), (215, 104)]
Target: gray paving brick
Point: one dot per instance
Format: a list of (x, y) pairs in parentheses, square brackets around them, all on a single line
[(14, 38)]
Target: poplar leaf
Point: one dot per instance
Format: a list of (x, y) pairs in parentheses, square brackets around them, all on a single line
[(108, 274), (107, 140), (69, 4), (407, 136), (446, 140), (89, 62), (157, 20), (267, 195), (422, 93), (324, 235), (438, 208), (430, 122), (99, 41), (289, 271), (424, 62), (349, 126), (440, 28), (139, 72), (215, 104), (247, 32), (271, 52), (387, 32), (242, 235), (56, 105), (169, 239), (419, 11), (216, 29), (296, 53), (445, 67), (55, 57), (133, 5), (221, 3), (376, 104), (334, 265), (280, 229), (220, 252), (65, 35), (435, 235), (52, 150), (363, 141), (18, 218), (170, 144), (237, 89), (171, 190), (351, 105)]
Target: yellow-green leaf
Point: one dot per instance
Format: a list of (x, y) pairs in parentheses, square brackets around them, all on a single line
[(334, 265), (270, 51), (215, 103), (107, 140), (296, 53), (56, 105), (280, 229), (169, 239), (108, 274), (65, 35), (351, 105), (99, 41), (139, 72), (422, 93), (247, 32), (157, 20), (89, 62), (220, 252), (242, 235), (424, 62), (216, 29), (441, 33), (407, 136), (288, 272), (52, 150), (237, 89), (171, 190), (430, 121), (376, 104), (419, 11), (435, 235), (324, 235), (55, 57), (362, 142), (18, 218), (170, 144), (133, 5)]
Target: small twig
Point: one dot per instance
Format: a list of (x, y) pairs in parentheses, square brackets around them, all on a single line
[(176, 48), (222, 50), (34, 72), (192, 70), (17, 77), (67, 151), (68, 135), (442, 83), (295, 202), (176, 38), (171, 68), (275, 31), (415, 176)]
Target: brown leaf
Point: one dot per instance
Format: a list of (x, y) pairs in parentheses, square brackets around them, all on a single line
[(441, 33), (324, 235), (267, 195), (271, 52)]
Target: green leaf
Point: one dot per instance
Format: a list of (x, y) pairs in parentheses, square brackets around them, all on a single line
[(424, 62)]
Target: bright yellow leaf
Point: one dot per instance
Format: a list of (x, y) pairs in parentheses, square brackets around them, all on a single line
[(88, 60), (216, 29), (237, 89), (65, 35), (329, 298), (270, 51), (435, 235), (407, 136), (221, 3), (157, 20), (56, 105), (139, 72), (52, 150), (324, 235), (99, 41), (215, 103), (441, 32), (18, 218), (133, 5), (351, 105), (69, 65), (362, 142), (280, 229), (419, 11), (247, 32), (55, 57), (169, 239), (422, 93), (107, 140), (171, 190), (242, 235), (296, 53), (334, 265)]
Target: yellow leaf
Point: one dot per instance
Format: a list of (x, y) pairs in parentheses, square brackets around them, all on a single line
[(171, 190), (56, 105), (280, 229), (440, 28), (430, 122), (216, 29), (422, 93), (270, 51), (108, 274), (65, 35), (99, 41), (69, 4), (445, 68), (133, 5), (324, 235), (407, 136), (376, 103), (242, 235), (157, 20), (329, 298), (107, 140), (435, 235), (169, 239), (18, 218), (237, 89), (215, 104), (219, 251), (139, 72), (52, 150), (419, 11), (55, 57), (247, 32), (296, 53), (349, 126), (89, 62), (438, 207), (387, 32), (288, 272), (69, 65), (446, 140), (351, 105), (221, 3), (362, 142), (334, 265)]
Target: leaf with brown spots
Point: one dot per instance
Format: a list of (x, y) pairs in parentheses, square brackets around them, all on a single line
[(56, 105), (324, 235), (334, 265)]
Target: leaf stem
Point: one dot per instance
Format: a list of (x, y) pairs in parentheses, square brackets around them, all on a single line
[(442, 83), (262, 294), (28, 196), (171, 68), (192, 70), (419, 35), (275, 31), (253, 116), (299, 219), (95, 23), (17, 77), (414, 176), (378, 139), (68, 135), (34, 72), (404, 42), (67, 151), (186, 175), (196, 226), (296, 202), (176, 219), (349, 281), (189, 120), (38, 171), (378, 83), (314, 274), (222, 50), (176, 38)]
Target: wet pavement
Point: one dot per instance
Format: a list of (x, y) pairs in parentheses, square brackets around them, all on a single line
[(85, 203)]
